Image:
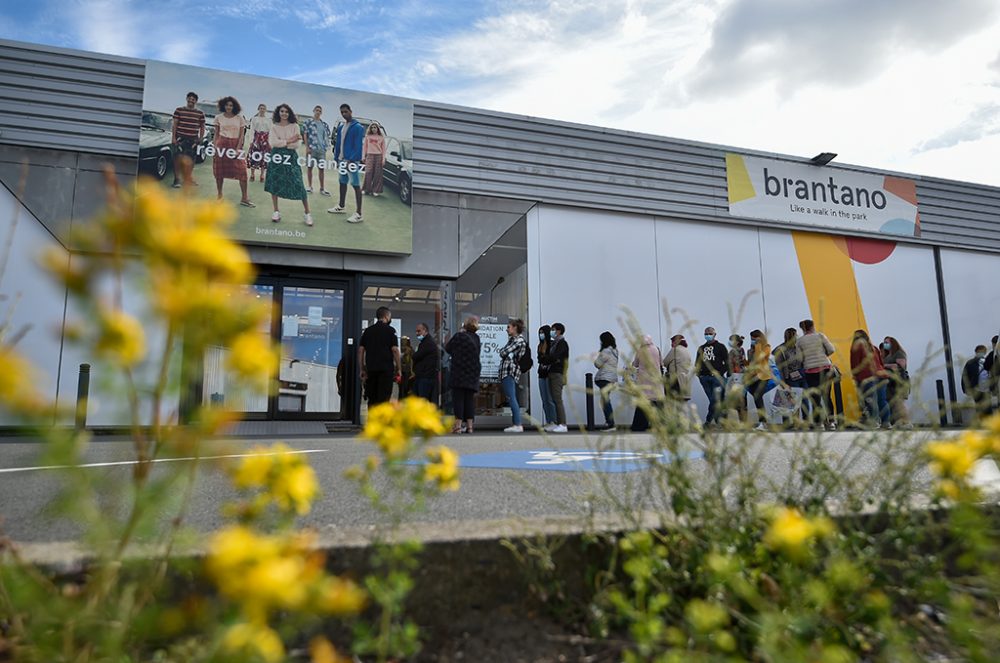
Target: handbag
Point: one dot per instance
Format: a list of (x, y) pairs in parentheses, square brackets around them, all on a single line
[(784, 402)]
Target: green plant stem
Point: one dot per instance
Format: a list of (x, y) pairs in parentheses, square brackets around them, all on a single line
[(161, 385)]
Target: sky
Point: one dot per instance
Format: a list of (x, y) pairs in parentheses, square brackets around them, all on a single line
[(904, 85)]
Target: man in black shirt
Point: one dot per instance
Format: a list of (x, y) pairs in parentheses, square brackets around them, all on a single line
[(378, 357), (425, 364), (710, 367)]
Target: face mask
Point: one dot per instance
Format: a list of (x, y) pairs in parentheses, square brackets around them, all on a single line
[(980, 355), (753, 342), (420, 337), (554, 335), (709, 337), (887, 345), (541, 336)]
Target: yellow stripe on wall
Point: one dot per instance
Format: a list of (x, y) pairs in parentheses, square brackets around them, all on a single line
[(738, 179), (834, 301)]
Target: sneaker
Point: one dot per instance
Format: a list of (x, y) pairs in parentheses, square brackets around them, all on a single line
[(336, 210), (355, 218), (309, 190), (514, 429), (276, 217), (548, 427), (608, 428), (761, 426), (309, 219), (176, 185), (376, 194), (561, 428), (324, 192)]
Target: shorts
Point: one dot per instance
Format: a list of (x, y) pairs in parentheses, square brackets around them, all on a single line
[(317, 153), (186, 146), (352, 176)]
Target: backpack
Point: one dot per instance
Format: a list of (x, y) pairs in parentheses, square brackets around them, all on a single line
[(525, 362)]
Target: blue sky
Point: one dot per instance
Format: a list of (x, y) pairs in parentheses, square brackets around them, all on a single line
[(906, 85)]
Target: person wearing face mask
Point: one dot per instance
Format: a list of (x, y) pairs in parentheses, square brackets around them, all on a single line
[(548, 405), (557, 359), (510, 371), (426, 360), (976, 382), (788, 358), (711, 364), (894, 360)]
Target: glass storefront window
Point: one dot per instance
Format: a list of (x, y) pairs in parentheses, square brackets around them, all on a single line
[(218, 387), (311, 367), (495, 289)]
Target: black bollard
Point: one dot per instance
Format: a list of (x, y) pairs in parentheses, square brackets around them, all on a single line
[(590, 401), (82, 394), (942, 407)]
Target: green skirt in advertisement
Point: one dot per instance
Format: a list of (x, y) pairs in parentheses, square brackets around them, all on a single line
[(284, 175)]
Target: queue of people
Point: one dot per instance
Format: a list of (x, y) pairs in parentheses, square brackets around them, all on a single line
[(800, 368)]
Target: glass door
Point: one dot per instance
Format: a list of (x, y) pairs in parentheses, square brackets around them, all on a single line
[(311, 372)]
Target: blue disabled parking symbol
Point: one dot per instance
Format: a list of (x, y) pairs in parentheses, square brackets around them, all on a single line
[(569, 460)]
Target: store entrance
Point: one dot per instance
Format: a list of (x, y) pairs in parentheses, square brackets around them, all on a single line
[(309, 323)]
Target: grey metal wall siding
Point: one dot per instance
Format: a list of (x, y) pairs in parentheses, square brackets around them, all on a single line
[(83, 102), (69, 100), (468, 150)]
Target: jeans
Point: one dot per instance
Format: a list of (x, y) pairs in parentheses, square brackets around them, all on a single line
[(510, 391), (424, 388), (548, 405), (874, 400), (757, 389), (713, 389), (609, 411), (556, 383)]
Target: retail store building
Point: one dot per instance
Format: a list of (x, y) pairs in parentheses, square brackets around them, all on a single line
[(514, 217)]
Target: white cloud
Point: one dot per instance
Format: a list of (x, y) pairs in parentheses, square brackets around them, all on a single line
[(909, 75), (121, 27)]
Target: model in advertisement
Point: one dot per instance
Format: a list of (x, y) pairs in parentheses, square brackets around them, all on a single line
[(284, 177), (186, 134), (347, 152), (317, 133), (228, 162), (260, 128), (373, 153)]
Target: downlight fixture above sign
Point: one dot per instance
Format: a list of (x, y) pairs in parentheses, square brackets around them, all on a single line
[(806, 195)]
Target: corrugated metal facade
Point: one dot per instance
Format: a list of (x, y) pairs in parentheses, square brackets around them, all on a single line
[(85, 102), (69, 100), (495, 154)]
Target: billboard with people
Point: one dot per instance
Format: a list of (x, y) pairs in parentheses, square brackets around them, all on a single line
[(306, 165)]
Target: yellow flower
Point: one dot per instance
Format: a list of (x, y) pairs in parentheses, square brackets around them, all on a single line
[(295, 488), (231, 551), (421, 416), (276, 582), (251, 356), (993, 424), (18, 378), (67, 269), (791, 532), (386, 428), (121, 338), (442, 468), (340, 597), (951, 459), (255, 637), (253, 471), (321, 651)]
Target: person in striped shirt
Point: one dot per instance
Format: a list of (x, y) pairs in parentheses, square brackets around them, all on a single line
[(188, 132)]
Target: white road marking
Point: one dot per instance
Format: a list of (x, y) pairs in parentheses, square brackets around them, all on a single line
[(158, 460)]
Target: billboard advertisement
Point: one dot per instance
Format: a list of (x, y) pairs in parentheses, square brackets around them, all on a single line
[(808, 195), (306, 165)]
